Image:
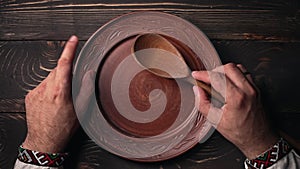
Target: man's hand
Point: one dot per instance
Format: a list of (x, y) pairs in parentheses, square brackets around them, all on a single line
[(50, 115), (241, 119)]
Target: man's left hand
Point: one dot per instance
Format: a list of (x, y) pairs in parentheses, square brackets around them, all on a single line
[(50, 115)]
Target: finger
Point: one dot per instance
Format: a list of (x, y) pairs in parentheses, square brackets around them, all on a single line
[(87, 89), (215, 79), (248, 76), (245, 72), (237, 77), (203, 104), (64, 65), (201, 75)]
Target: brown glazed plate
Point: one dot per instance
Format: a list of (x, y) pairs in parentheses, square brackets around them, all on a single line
[(131, 112)]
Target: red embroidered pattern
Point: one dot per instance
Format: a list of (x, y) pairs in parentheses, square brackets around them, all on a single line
[(267, 159), (41, 159)]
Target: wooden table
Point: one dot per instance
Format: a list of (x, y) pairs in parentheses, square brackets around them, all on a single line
[(262, 35)]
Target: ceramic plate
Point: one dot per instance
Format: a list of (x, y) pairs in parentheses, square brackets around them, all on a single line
[(129, 111)]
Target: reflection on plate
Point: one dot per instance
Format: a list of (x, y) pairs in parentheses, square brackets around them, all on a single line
[(132, 112)]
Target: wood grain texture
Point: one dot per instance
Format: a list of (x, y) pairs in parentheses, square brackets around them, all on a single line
[(262, 35), (216, 153), (23, 65), (276, 20), (84, 153), (273, 65), (12, 133)]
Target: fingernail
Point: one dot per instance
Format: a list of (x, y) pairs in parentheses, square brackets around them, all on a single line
[(73, 38), (194, 73), (195, 89)]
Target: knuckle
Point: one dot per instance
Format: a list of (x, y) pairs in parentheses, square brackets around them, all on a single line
[(230, 66), (253, 93), (65, 81), (56, 92), (241, 96), (55, 95), (240, 65), (64, 61), (244, 81), (59, 94)]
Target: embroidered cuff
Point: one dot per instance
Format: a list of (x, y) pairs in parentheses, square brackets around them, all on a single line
[(41, 159), (271, 156)]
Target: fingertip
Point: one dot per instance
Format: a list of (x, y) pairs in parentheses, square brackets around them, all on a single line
[(72, 44), (70, 48), (242, 67), (196, 91), (199, 74), (73, 38), (64, 65), (194, 73)]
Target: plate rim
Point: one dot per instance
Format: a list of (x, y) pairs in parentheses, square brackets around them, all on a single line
[(93, 38)]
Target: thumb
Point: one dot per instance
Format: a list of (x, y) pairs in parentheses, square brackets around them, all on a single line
[(207, 109)]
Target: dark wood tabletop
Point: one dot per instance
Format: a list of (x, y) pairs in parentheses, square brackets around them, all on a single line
[(262, 35)]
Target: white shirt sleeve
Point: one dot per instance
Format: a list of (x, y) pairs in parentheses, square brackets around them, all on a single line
[(290, 161), (20, 165)]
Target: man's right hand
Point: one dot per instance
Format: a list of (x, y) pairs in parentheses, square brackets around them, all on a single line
[(241, 119)]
